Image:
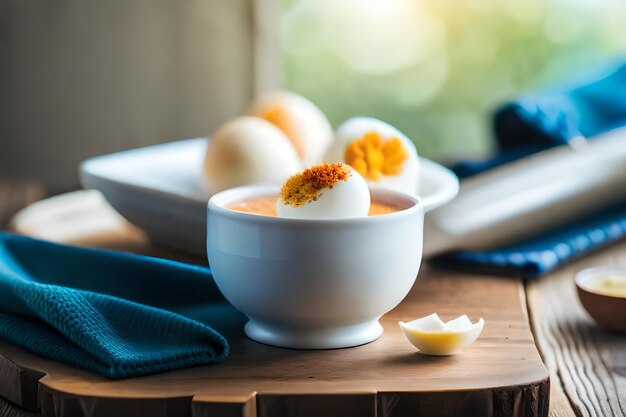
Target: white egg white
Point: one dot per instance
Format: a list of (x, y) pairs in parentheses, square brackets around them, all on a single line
[(248, 150), (346, 199), (308, 128), (356, 128)]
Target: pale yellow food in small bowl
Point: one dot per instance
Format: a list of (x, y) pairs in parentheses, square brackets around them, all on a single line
[(602, 292)]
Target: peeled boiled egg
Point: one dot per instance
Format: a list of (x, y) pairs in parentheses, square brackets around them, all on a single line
[(326, 191), (248, 150), (434, 337), (302, 121), (382, 154)]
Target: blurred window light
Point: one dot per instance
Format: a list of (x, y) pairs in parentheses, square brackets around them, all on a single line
[(437, 68)]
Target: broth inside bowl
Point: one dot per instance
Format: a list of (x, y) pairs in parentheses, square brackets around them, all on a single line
[(266, 206)]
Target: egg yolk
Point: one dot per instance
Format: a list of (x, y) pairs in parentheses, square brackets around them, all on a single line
[(373, 157), (277, 116)]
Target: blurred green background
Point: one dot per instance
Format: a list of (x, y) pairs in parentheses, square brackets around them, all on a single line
[(437, 68)]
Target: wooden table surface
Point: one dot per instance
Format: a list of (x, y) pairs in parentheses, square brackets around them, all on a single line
[(586, 364)]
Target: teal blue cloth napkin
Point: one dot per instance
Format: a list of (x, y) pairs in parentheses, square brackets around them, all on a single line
[(536, 256), (116, 314)]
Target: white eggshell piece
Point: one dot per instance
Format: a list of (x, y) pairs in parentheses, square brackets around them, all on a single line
[(459, 324), (431, 336), (430, 323)]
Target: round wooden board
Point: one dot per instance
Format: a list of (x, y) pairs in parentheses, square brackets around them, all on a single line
[(501, 374)]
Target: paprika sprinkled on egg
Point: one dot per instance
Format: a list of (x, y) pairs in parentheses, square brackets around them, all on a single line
[(307, 185), (325, 191)]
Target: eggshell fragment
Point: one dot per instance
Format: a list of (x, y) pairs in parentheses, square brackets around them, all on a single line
[(431, 336)]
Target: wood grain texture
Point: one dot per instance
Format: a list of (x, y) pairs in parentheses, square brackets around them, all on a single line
[(19, 384), (501, 374), (16, 195), (225, 406), (587, 363), (524, 400), (559, 404), (85, 218), (8, 409)]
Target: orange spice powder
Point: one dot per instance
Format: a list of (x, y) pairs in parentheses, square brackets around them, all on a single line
[(307, 186)]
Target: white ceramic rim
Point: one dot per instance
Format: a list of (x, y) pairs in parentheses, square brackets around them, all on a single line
[(92, 176), (448, 188), (90, 171), (584, 277), (217, 201)]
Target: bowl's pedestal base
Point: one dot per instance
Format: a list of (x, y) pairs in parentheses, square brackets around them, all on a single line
[(314, 338)]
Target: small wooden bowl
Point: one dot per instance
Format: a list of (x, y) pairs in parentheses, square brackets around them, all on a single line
[(608, 310)]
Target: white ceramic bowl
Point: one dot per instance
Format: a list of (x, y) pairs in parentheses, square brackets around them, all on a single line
[(314, 284)]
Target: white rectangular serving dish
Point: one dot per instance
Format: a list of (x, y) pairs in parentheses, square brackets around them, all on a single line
[(160, 190)]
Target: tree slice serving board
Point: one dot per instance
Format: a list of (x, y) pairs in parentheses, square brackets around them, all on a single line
[(501, 374)]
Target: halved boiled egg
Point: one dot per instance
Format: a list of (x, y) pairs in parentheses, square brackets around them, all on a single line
[(379, 152), (248, 150), (300, 120), (326, 191), (434, 337)]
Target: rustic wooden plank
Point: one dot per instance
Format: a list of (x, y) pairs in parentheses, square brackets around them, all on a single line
[(8, 409), (14, 195), (19, 384), (501, 374), (527, 400), (85, 218), (559, 404), (589, 361), (224, 406), (55, 404), (328, 405)]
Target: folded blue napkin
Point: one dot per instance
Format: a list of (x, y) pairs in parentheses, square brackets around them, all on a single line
[(536, 256), (539, 121), (536, 122), (116, 314)]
